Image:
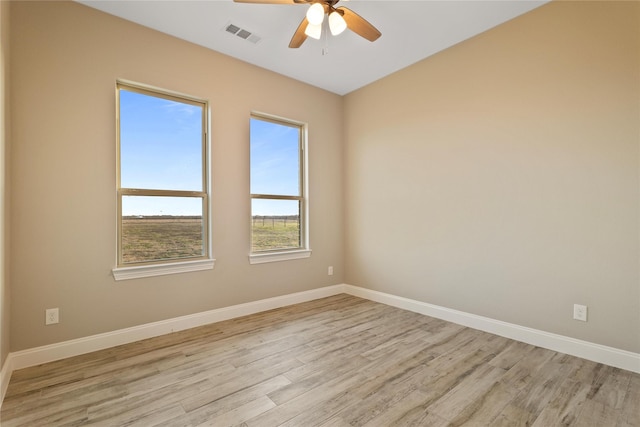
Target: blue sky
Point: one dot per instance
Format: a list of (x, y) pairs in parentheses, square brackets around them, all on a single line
[(160, 148), (275, 166)]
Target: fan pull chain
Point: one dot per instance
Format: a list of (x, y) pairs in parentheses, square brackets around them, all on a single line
[(325, 37)]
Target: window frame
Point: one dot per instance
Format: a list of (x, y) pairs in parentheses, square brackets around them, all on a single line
[(124, 271), (303, 250)]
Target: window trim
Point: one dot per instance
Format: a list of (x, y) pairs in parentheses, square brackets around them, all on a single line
[(139, 271), (304, 250), (275, 256), (124, 271)]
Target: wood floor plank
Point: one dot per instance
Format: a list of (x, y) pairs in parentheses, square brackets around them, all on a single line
[(473, 388), (216, 409), (327, 372), (420, 416), (615, 384), (521, 374), (538, 392), (630, 414), (132, 406), (511, 354), (383, 393), (319, 414), (334, 362), (249, 410), (390, 414), (439, 382), (566, 405), (596, 414), (335, 422), (37, 412), (141, 416), (232, 382), (308, 401), (484, 408), (40, 383)]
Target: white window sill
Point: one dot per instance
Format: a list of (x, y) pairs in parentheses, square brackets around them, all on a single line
[(125, 273), (278, 256)]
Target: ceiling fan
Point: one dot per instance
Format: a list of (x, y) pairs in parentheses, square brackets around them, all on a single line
[(339, 19)]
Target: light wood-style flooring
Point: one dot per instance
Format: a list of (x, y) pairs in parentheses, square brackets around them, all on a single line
[(334, 362)]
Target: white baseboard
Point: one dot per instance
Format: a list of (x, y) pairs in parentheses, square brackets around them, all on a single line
[(595, 352), (49, 353), (62, 350), (5, 376)]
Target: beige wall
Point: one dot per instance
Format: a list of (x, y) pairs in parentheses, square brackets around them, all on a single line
[(66, 59), (4, 198), (500, 177)]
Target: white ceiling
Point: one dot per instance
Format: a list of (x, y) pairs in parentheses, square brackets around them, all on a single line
[(411, 30)]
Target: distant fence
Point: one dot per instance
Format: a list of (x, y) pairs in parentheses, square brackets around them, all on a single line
[(163, 217), (273, 220), (258, 220)]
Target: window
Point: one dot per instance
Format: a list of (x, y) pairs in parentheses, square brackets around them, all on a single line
[(162, 187), (278, 204)]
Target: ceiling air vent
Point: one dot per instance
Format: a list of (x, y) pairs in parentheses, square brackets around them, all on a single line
[(242, 33), (232, 29)]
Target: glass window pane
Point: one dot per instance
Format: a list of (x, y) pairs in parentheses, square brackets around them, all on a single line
[(275, 224), (160, 143), (161, 228), (275, 158)]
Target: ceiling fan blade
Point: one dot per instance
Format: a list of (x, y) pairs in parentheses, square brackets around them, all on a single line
[(267, 1), (359, 25), (299, 36)]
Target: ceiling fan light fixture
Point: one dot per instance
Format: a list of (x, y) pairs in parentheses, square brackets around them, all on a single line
[(338, 20), (314, 31), (337, 24), (315, 14)]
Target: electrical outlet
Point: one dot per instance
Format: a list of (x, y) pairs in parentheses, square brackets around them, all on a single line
[(51, 316), (580, 312), (330, 270)]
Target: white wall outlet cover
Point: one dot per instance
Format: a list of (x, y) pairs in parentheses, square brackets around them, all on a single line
[(580, 312), (51, 316)]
